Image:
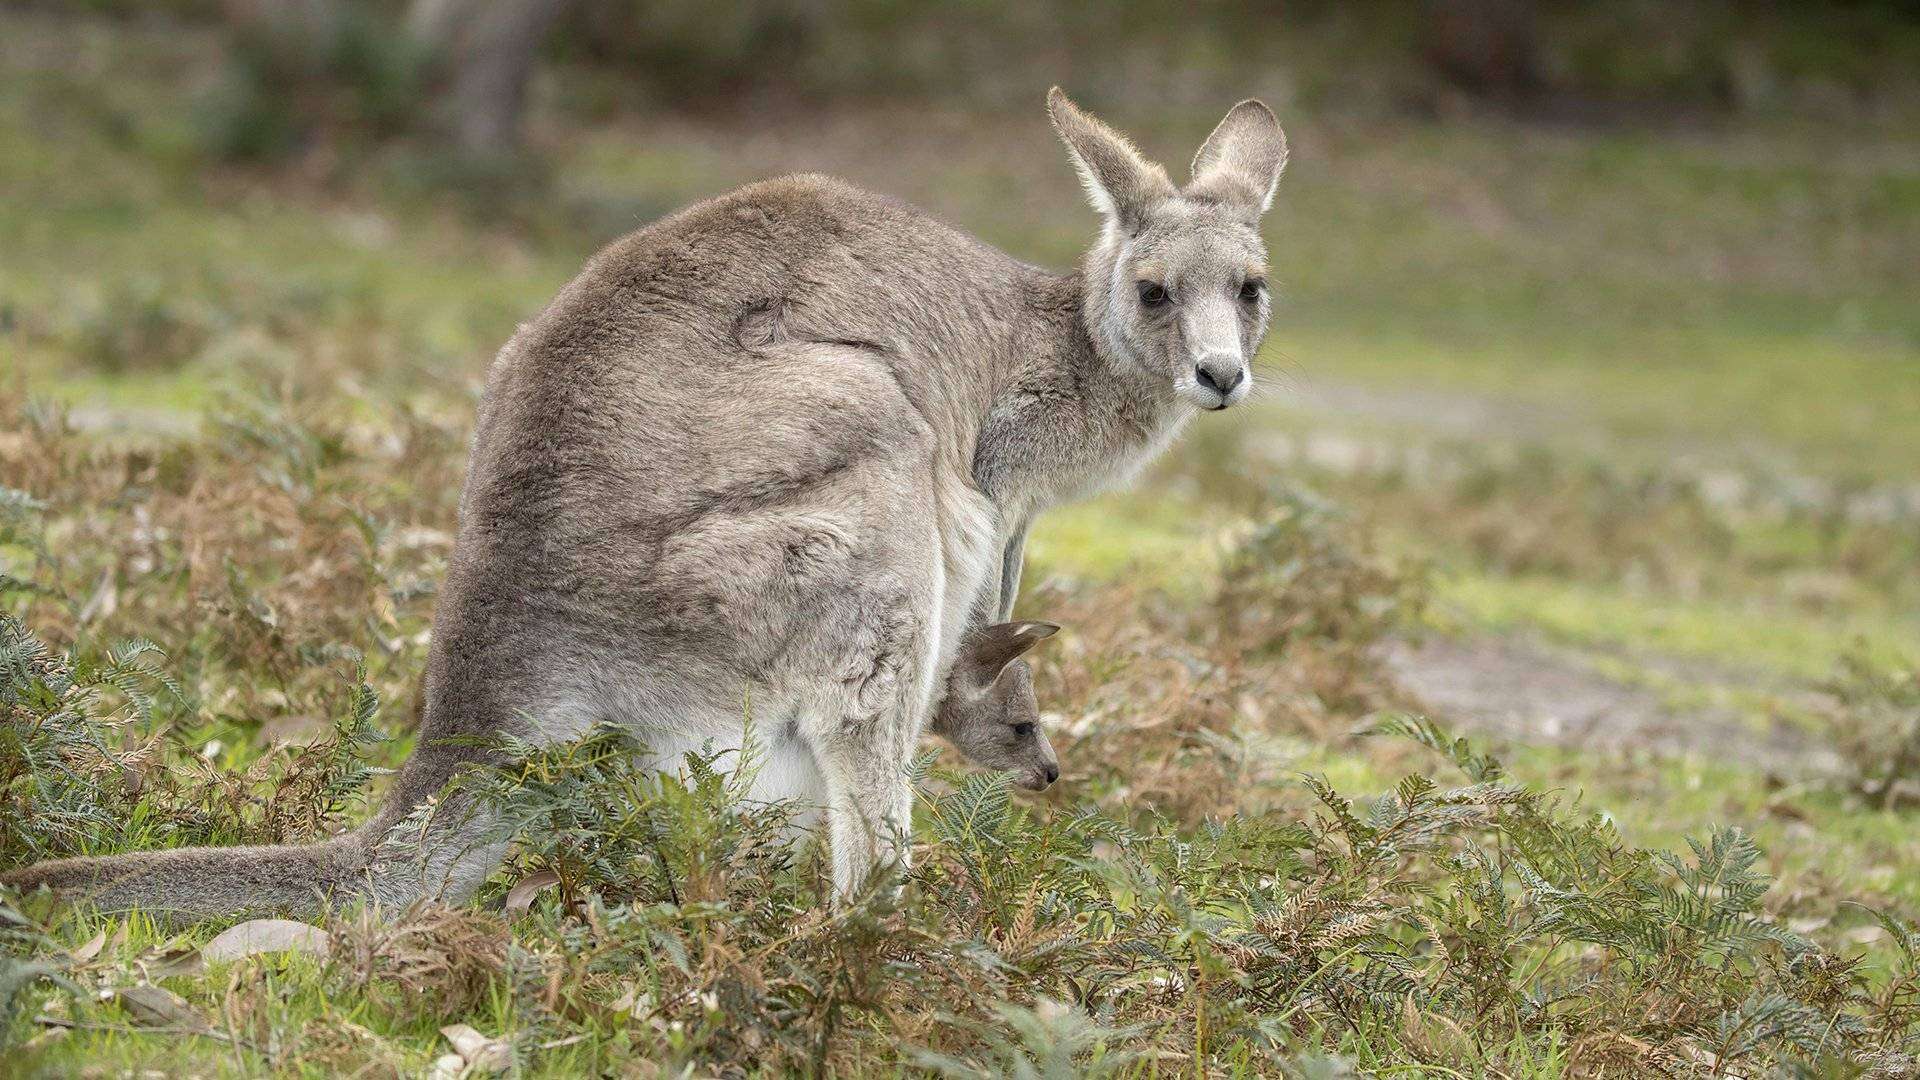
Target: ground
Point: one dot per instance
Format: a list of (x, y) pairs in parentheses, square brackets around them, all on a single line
[(1609, 435)]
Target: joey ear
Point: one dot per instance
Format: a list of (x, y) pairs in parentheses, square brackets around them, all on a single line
[(1240, 163), (1120, 183), (990, 650)]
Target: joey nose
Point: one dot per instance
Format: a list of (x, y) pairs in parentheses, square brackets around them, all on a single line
[(1220, 376), (1053, 773)]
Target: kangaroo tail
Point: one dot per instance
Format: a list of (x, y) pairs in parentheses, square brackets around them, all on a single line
[(391, 861), (195, 883)]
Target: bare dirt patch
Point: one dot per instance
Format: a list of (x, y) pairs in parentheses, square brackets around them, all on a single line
[(1529, 691)]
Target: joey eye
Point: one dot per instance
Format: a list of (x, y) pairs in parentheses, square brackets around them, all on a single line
[(1251, 289), (1152, 293), (1022, 730)]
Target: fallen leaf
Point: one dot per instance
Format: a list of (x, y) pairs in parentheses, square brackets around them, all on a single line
[(172, 962), (479, 1051), (520, 897), (243, 940), (156, 1006), (265, 936), (91, 949)]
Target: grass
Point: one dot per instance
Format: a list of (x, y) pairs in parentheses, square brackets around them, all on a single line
[(1794, 646), (1167, 934), (1718, 291), (1545, 348)]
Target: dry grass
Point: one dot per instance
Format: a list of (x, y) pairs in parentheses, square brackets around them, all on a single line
[(430, 960)]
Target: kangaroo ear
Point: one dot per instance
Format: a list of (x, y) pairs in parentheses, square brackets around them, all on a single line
[(990, 650), (1240, 162), (1120, 183)]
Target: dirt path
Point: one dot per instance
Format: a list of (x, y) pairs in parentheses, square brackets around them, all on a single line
[(1533, 692), (1529, 690)]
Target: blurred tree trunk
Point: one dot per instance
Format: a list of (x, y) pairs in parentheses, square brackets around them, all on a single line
[(315, 19), (298, 32), (485, 50), (1487, 48)]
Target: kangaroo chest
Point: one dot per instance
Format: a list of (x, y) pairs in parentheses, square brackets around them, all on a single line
[(971, 536)]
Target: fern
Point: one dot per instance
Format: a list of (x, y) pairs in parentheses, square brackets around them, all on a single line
[(55, 750), (1480, 768)]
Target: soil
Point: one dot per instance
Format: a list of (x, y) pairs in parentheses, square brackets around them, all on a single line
[(1530, 691)]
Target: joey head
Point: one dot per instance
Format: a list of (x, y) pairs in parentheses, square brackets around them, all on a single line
[(989, 713)]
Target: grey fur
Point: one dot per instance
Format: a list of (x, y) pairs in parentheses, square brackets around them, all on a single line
[(989, 713), (780, 447)]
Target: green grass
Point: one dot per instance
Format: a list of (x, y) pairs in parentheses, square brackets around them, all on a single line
[(1788, 643), (1822, 841), (1168, 542), (1729, 395), (1737, 292)]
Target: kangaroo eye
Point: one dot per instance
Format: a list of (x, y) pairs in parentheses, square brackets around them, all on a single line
[(1152, 293), (1251, 289), (1022, 730)]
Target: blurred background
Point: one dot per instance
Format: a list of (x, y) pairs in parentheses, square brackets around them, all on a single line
[(1598, 324)]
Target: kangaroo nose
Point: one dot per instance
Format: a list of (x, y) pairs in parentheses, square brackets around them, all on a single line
[(1053, 773), (1220, 376)]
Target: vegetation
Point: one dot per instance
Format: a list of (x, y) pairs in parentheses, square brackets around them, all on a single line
[(1634, 405), (1192, 904)]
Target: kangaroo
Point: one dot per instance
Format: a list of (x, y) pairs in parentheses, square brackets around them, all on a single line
[(780, 447), (989, 713)]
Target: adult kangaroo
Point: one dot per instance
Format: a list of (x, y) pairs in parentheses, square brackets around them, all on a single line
[(781, 447)]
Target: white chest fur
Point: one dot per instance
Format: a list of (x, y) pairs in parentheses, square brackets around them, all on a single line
[(971, 539)]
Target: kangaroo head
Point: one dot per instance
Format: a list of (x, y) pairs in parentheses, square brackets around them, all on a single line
[(990, 714), (1176, 289)]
